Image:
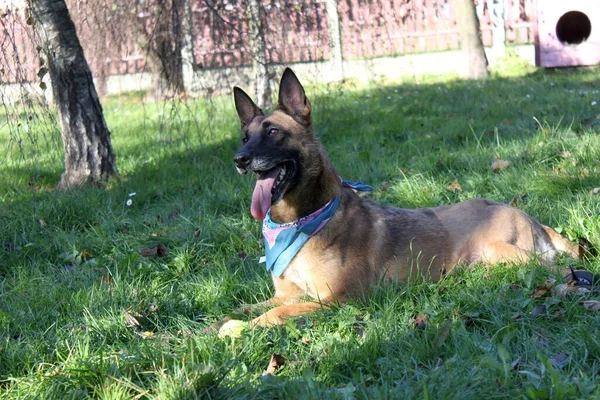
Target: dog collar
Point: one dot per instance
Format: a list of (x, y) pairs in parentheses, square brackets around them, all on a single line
[(284, 241)]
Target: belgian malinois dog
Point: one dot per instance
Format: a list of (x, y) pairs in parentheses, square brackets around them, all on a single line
[(354, 242)]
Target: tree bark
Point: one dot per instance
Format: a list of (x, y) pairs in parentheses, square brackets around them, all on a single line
[(258, 49), (163, 47), (470, 38), (335, 41), (89, 157)]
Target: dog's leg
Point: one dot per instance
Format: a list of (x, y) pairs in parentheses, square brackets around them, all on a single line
[(497, 252), (277, 315), (248, 309)]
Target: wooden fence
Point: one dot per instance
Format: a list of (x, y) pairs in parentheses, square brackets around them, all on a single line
[(294, 31)]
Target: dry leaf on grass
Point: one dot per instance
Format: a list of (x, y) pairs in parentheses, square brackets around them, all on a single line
[(594, 191), (277, 360), (592, 305), (454, 186), (106, 279), (133, 321), (517, 198), (540, 291), (498, 165), (565, 154), (159, 251)]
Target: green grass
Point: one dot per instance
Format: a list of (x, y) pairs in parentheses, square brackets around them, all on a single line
[(70, 262)]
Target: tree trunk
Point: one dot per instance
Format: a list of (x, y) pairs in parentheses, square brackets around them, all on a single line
[(470, 38), (258, 49), (89, 156), (162, 47), (335, 41)]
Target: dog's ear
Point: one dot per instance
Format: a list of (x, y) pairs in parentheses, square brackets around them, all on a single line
[(292, 98), (245, 107)]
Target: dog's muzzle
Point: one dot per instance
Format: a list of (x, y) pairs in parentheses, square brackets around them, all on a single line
[(242, 162)]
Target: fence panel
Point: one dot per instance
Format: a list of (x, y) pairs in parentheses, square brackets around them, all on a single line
[(294, 31)]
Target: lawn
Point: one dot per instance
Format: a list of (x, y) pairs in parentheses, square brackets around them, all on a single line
[(101, 299)]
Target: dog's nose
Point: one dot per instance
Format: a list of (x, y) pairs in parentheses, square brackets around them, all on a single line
[(242, 160)]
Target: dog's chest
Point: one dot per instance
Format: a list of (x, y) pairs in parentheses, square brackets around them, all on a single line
[(307, 272)]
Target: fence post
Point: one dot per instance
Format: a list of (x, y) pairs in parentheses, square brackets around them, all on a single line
[(258, 51), (335, 42)]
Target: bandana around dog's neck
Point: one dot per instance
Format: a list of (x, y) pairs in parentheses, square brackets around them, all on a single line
[(284, 241)]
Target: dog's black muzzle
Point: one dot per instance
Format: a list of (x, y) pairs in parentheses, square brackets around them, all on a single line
[(242, 161)]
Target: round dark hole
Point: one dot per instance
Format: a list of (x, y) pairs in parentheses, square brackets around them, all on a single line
[(573, 27)]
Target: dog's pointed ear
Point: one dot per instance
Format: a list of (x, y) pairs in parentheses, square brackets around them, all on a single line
[(246, 109), (292, 98)]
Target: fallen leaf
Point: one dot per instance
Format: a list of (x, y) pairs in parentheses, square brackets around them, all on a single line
[(305, 340), (146, 334), (539, 292), (197, 234), (592, 305), (86, 254), (498, 165), (565, 154), (594, 191), (420, 321), (454, 186), (277, 361), (539, 310), (148, 252), (443, 333), (560, 360), (516, 200), (159, 251), (133, 321)]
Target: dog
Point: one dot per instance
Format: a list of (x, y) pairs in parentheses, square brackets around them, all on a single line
[(353, 242)]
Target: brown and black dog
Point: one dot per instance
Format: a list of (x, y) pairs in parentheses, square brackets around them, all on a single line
[(363, 242)]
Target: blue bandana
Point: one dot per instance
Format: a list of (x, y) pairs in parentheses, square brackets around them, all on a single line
[(284, 241)]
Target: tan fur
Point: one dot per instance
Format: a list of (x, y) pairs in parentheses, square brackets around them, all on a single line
[(365, 242)]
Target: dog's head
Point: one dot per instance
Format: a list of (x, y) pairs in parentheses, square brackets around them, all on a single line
[(274, 146)]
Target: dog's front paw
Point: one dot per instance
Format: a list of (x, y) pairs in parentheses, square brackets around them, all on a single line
[(232, 328)]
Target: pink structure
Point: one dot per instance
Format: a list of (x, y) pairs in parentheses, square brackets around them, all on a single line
[(568, 33)]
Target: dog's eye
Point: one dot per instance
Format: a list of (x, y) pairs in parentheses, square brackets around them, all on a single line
[(245, 139), (273, 131)]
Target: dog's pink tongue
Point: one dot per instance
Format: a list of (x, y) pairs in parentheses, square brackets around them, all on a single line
[(261, 198)]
